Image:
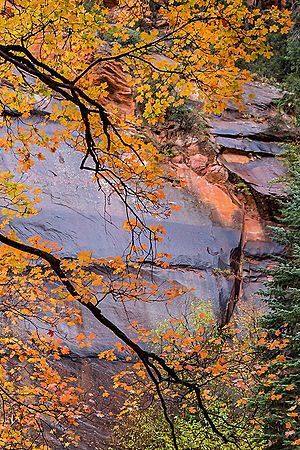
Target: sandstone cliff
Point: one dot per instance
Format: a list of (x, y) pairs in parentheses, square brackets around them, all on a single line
[(218, 240)]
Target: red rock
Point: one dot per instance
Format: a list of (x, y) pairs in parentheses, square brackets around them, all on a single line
[(198, 163), (193, 148), (254, 230), (236, 158), (223, 209), (216, 174), (120, 94), (178, 159)]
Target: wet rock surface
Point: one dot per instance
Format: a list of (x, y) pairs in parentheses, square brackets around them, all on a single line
[(202, 237), (217, 241), (74, 214)]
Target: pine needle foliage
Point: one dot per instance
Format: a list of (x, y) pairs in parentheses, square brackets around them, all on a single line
[(279, 399)]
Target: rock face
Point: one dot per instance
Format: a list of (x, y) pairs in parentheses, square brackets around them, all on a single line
[(247, 145), (201, 237), (120, 95), (251, 141), (261, 174), (198, 163), (208, 239)]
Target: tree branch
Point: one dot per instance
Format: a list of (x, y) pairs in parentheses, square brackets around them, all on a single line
[(149, 359)]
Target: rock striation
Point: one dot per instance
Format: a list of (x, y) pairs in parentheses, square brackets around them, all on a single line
[(218, 239)]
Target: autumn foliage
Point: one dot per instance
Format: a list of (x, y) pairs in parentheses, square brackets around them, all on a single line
[(53, 52)]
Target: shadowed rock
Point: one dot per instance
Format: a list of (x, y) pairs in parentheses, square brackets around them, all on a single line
[(258, 99), (207, 238), (261, 174), (240, 128), (248, 146), (73, 213)]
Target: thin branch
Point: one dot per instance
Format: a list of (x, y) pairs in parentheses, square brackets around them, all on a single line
[(150, 360)]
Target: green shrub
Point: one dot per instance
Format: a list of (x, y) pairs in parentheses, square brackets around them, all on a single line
[(187, 117), (141, 424), (146, 429)]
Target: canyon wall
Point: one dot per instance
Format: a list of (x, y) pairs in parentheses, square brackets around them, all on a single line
[(218, 240)]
